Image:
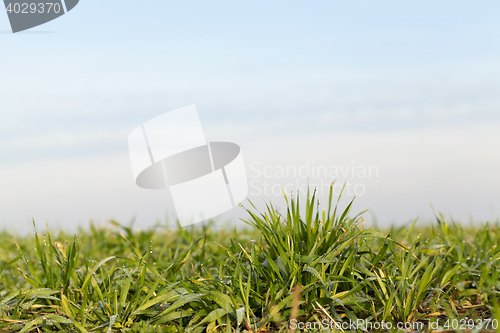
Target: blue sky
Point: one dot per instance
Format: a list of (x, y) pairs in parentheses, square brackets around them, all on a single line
[(338, 75)]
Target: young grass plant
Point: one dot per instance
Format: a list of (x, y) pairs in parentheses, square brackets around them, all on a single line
[(307, 262)]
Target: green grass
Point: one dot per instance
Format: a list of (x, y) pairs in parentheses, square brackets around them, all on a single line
[(311, 265)]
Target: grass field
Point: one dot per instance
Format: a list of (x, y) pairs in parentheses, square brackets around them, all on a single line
[(318, 265)]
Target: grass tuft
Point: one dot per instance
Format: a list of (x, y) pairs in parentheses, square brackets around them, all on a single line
[(308, 263)]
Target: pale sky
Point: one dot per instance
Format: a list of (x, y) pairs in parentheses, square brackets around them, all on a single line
[(408, 87)]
